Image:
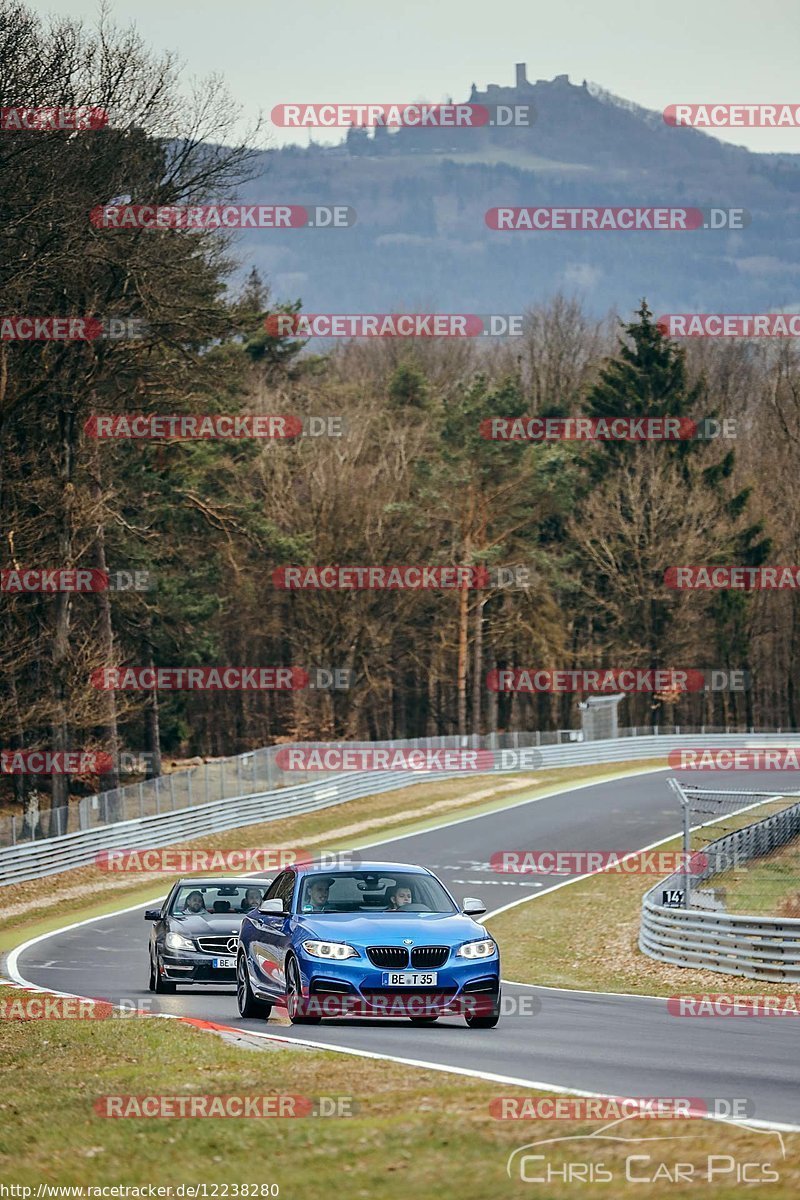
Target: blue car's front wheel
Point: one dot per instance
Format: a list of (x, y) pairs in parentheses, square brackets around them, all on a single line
[(249, 1004), (296, 1004)]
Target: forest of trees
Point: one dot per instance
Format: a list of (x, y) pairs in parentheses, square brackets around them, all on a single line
[(409, 481)]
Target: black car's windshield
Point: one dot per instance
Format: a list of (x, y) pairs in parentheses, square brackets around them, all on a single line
[(219, 898), (370, 892)]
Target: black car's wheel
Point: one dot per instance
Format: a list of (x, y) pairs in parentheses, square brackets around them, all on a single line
[(157, 981), (424, 1020), (249, 1004), (295, 1002)]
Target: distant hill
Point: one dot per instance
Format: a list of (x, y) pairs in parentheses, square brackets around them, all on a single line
[(421, 195)]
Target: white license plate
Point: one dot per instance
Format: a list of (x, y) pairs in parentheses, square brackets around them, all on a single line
[(410, 979), (228, 964)]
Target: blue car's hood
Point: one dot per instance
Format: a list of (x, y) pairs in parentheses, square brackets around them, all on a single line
[(389, 929)]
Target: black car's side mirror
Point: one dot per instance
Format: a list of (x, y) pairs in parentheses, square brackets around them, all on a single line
[(152, 914)]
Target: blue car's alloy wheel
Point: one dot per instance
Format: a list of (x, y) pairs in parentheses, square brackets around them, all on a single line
[(249, 1004), (295, 1002)]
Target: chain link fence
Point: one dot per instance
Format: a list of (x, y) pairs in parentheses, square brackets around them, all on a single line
[(752, 866), (258, 771), (227, 778)]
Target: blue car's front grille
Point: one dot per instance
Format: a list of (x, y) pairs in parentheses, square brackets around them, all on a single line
[(427, 957), (393, 958)]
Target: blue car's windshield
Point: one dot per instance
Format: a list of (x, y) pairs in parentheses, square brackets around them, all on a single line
[(368, 892)]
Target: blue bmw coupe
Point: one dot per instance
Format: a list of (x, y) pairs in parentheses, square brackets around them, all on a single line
[(376, 940)]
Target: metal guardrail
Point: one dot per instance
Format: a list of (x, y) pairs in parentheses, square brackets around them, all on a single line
[(49, 856), (731, 943), (225, 779), (34, 860), (259, 771)]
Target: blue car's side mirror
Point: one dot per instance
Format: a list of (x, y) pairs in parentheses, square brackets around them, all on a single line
[(472, 907), (272, 907)]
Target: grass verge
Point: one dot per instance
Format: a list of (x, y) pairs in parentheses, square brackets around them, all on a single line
[(766, 886), (413, 1132)]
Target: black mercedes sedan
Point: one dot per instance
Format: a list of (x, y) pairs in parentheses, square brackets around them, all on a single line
[(195, 933)]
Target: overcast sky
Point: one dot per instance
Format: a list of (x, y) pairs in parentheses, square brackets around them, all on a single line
[(273, 51)]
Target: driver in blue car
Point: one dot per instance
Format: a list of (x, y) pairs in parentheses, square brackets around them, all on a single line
[(318, 895), (400, 898)]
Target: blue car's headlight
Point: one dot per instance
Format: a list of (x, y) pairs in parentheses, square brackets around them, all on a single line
[(176, 941), (337, 950), (485, 948)]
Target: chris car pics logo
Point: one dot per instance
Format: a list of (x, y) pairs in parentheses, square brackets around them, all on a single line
[(612, 1155)]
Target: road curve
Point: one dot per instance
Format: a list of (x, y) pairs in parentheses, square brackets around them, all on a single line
[(603, 1043)]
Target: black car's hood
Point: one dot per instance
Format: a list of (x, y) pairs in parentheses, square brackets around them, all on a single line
[(206, 924)]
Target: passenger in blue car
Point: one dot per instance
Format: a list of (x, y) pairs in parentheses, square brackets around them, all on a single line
[(400, 898)]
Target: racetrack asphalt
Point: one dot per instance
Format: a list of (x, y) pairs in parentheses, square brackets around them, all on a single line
[(609, 1044)]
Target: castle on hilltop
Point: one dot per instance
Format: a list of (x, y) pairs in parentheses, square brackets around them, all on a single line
[(413, 140), (496, 93)]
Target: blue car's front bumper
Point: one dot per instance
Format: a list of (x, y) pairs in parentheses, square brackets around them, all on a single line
[(355, 986)]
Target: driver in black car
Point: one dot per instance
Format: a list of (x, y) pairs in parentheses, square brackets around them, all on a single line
[(194, 903), (252, 899)]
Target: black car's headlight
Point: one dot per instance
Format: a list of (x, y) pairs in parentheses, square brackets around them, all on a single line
[(330, 950), (484, 948), (176, 941)]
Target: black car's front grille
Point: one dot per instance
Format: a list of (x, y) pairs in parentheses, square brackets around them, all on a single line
[(425, 958), (394, 958), (219, 945)]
